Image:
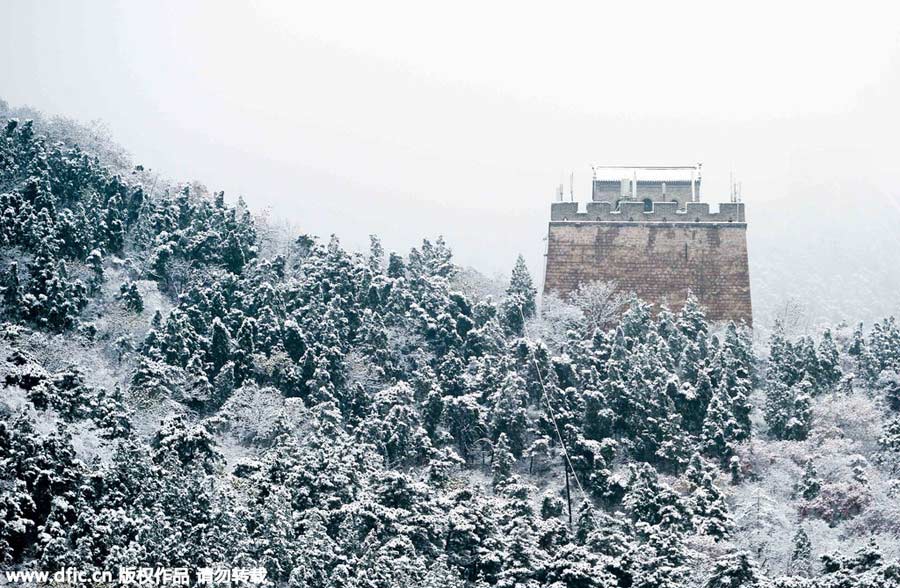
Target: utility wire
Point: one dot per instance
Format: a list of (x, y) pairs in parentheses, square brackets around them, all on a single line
[(559, 436)]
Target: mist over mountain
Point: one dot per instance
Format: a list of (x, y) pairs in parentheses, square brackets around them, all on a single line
[(831, 249)]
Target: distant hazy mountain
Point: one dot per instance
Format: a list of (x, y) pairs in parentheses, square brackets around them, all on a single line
[(836, 253)]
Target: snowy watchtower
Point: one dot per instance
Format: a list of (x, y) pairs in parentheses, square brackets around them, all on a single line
[(646, 230)]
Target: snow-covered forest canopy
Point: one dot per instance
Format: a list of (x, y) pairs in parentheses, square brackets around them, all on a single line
[(187, 385)]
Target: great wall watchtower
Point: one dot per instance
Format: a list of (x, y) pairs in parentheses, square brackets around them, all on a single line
[(648, 232)]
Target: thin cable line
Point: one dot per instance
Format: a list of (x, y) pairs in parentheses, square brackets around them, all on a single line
[(562, 443)]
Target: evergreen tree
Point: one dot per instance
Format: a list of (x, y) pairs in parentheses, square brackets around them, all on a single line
[(721, 431), (787, 409), (829, 360), (220, 345), (797, 428), (395, 425), (52, 299), (512, 314), (192, 446), (464, 419), (890, 443), (521, 287), (779, 407), (502, 461), (95, 263), (709, 512), (131, 297), (396, 266), (857, 346), (508, 416), (552, 506), (801, 556), (692, 319), (810, 484), (729, 370), (734, 571), (12, 292), (889, 384), (650, 502), (376, 254)]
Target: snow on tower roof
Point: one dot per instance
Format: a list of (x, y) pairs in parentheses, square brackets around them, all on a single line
[(652, 173)]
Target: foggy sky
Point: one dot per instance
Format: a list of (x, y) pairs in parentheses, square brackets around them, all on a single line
[(416, 119)]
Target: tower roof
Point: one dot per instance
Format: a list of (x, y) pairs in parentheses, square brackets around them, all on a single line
[(647, 173)]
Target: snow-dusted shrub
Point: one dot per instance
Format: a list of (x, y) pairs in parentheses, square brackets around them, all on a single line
[(252, 414)]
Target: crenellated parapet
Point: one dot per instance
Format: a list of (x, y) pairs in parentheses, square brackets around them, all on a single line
[(646, 231), (634, 212)]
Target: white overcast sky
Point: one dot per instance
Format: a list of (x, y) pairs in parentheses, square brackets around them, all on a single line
[(417, 118)]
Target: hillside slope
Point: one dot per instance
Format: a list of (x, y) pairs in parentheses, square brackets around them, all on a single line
[(182, 389)]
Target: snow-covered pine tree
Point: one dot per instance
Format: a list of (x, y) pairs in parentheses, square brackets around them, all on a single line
[(522, 287), (801, 557), (502, 461)]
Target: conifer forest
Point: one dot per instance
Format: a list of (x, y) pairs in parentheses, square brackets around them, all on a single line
[(186, 384)]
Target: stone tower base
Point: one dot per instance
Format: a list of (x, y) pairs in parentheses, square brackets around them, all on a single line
[(659, 261)]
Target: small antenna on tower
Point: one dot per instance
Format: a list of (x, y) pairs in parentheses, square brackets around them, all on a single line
[(735, 189), (572, 186)]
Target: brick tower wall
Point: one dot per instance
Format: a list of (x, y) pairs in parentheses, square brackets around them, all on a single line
[(659, 260)]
